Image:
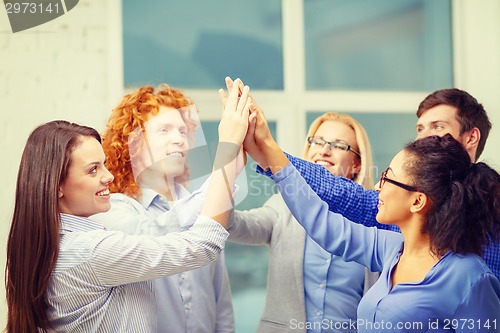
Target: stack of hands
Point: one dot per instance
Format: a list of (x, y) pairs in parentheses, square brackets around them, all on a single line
[(251, 133)]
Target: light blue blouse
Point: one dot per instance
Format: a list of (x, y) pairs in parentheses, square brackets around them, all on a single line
[(458, 294)]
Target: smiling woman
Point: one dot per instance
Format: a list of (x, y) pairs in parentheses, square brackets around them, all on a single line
[(86, 175), (65, 271), (340, 143)]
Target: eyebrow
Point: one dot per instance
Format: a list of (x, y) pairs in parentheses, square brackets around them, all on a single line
[(334, 140), (433, 123), (95, 163)]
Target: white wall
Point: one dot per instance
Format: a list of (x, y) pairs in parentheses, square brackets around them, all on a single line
[(69, 68), (477, 62)]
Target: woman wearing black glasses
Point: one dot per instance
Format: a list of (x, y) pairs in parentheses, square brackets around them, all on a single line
[(433, 278)]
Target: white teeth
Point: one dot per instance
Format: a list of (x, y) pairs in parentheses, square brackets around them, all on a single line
[(103, 193), (175, 154), (324, 163)]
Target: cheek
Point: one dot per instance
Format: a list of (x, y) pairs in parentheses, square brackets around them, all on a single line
[(310, 154), (344, 161)]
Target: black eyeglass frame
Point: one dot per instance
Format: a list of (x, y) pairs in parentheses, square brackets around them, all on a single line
[(312, 140), (383, 179)]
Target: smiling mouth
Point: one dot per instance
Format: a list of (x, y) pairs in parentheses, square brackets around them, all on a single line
[(175, 154), (324, 163), (103, 193)]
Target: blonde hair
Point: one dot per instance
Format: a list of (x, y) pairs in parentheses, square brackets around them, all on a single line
[(364, 177)]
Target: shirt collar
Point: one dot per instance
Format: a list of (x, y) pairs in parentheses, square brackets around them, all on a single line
[(71, 223), (148, 195)]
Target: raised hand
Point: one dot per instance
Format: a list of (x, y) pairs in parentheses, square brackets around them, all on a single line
[(232, 130), (249, 143), (234, 123)]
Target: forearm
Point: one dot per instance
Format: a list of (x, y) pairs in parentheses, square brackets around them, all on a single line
[(219, 202), (336, 234), (252, 227), (120, 258)]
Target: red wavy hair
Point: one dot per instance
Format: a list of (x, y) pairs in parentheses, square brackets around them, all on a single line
[(133, 112)]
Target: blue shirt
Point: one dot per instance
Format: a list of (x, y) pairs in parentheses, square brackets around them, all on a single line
[(458, 294), (101, 281), (352, 201), (196, 301), (333, 289)]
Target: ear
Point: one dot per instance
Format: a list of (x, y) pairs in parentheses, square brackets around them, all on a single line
[(356, 166), (420, 203), (60, 193), (472, 138)]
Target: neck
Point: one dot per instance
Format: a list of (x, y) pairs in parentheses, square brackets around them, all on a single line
[(162, 184), (416, 243)]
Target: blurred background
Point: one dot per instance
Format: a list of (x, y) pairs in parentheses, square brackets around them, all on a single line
[(375, 60)]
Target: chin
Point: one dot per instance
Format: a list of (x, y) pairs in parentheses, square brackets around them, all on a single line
[(380, 219)]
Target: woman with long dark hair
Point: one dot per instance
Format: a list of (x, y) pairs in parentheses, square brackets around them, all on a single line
[(65, 272)]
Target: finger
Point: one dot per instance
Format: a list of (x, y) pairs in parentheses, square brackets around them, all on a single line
[(253, 107), (241, 86), (252, 122), (229, 83), (246, 109), (242, 103), (223, 97), (232, 100)]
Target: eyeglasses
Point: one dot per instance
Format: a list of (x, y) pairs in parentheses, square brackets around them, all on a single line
[(383, 179), (315, 141)]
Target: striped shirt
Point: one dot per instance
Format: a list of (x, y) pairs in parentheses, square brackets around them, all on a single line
[(101, 282)]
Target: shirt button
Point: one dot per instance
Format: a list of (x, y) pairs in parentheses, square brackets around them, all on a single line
[(321, 285), (318, 313)]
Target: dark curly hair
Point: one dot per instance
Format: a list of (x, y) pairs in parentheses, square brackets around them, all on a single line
[(465, 197)]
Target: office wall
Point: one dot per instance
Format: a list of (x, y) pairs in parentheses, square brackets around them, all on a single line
[(69, 68), (477, 65)]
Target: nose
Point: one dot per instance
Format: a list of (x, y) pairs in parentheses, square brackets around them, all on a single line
[(326, 149), (178, 137), (108, 177)]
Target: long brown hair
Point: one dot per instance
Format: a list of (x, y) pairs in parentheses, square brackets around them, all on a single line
[(134, 110), (33, 243)]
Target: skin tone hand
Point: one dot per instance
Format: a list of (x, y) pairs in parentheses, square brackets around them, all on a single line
[(242, 157), (266, 144), (249, 144), (232, 130)]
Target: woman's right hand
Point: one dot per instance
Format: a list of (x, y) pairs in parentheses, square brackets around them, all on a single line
[(234, 123)]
